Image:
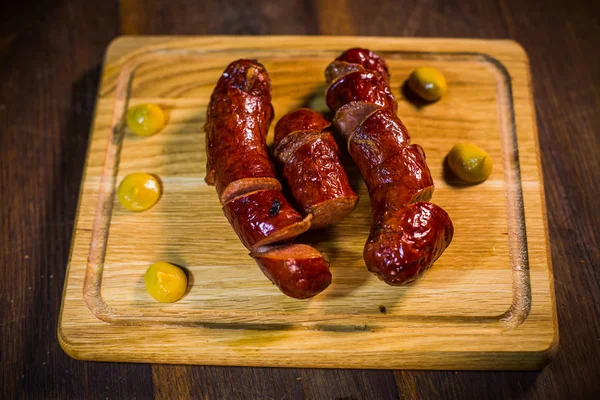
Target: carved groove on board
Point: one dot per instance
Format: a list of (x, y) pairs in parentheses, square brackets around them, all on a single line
[(510, 319)]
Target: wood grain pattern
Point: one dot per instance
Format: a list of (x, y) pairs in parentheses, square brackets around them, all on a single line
[(465, 313)]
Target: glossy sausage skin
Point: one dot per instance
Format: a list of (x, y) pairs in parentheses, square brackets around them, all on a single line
[(238, 164), (337, 69), (263, 217), (408, 234), (312, 168), (381, 151), (318, 182), (369, 87), (367, 59), (238, 119), (351, 115), (406, 241), (301, 120), (298, 270)]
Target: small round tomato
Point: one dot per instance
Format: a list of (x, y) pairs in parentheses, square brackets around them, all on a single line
[(427, 83), (165, 282), (469, 162), (139, 191), (145, 119)]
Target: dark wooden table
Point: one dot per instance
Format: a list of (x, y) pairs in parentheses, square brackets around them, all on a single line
[(50, 53)]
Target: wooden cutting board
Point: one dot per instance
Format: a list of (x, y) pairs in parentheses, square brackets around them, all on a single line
[(488, 302)]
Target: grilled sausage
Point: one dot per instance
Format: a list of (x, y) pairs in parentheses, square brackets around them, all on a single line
[(312, 168), (408, 233), (238, 164), (238, 119), (356, 59), (298, 270), (263, 217), (366, 86), (406, 241)]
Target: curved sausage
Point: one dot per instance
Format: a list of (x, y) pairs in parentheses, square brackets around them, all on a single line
[(312, 168), (237, 123), (298, 270), (238, 164), (407, 234)]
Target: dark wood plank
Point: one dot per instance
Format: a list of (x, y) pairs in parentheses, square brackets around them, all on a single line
[(213, 17), (50, 73), (271, 383)]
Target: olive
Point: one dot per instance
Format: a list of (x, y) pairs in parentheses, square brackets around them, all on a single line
[(469, 162), (427, 83)]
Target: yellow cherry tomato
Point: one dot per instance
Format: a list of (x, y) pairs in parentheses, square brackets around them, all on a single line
[(469, 162), (139, 191), (427, 83), (145, 119), (165, 282)]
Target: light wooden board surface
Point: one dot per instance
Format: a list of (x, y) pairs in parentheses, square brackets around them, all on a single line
[(488, 302)]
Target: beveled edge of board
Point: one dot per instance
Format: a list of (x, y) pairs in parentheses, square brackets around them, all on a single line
[(520, 307)]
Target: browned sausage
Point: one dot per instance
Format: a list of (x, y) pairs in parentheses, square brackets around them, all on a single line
[(238, 164), (238, 119), (408, 234), (366, 59), (406, 241), (298, 270), (312, 168), (381, 151), (301, 120), (263, 217), (366, 86)]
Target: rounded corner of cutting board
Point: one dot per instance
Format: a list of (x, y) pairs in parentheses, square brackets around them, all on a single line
[(66, 342)]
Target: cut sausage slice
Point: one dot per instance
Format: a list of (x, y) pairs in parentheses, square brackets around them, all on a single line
[(390, 166), (285, 149), (349, 116), (367, 59), (337, 69), (263, 217), (318, 182), (369, 87), (298, 270), (301, 120), (312, 168), (385, 128), (406, 168)]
